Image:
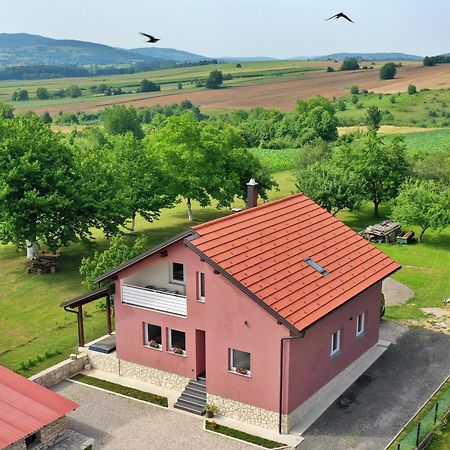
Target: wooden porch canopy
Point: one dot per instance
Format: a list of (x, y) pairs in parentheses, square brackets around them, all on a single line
[(76, 306)]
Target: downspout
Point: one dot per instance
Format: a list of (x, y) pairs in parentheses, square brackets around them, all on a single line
[(280, 414), (66, 308)]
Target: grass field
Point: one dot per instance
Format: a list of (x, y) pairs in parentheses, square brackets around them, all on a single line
[(34, 327), (424, 109)]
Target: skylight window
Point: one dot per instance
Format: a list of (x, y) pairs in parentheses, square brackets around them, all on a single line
[(316, 266)]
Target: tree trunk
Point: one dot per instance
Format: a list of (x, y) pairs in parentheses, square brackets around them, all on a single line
[(133, 224), (32, 250), (376, 213), (422, 233), (189, 208)]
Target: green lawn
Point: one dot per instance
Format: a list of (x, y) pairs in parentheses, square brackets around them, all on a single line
[(424, 109), (442, 439), (33, 326)]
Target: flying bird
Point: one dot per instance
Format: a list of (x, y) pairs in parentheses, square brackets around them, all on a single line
[(151, 38), (340, 15)]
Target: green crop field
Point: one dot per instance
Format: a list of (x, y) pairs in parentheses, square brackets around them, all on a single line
[(424, 109)]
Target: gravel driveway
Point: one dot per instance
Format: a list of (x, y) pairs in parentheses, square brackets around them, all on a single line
[(124, 424), (374, 409)]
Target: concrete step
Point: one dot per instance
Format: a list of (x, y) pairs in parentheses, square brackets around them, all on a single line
[(189, 407), (201, 380), (191, 400), (199, 386), (196, 392), (194, 396)]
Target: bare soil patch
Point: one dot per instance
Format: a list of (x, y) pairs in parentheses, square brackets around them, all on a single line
[(278, 94)]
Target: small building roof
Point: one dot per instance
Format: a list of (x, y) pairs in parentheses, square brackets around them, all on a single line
[(26, 407), (294, 256)]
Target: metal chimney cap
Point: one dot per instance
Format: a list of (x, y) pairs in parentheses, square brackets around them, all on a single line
[(252, 182)]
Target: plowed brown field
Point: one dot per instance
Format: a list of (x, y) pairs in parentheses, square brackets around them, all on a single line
[(281, 94)]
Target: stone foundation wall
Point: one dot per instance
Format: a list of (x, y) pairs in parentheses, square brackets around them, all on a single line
[(61, 371), (110, 363), (248, 413)]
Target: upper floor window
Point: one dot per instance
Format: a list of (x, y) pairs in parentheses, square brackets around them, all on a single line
[(360, 324), (177, 342), (201, 286), (153, 336), (239, 362), (177, 273), (335, 343)]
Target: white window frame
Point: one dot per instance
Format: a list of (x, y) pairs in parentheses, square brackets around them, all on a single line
[(182, 283), (200, 297), (361, 323), (234, 369), (147, 340), (169, 341), (335, 351)]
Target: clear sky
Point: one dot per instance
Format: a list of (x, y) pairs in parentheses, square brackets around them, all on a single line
[(278, 28)]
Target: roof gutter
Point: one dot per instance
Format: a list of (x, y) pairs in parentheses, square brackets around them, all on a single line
[(280, 409)]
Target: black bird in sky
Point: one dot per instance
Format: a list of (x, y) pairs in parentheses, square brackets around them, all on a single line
[(339, 16), (151, 38)]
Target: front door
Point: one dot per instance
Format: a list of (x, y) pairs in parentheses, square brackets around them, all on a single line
[(200, 352)]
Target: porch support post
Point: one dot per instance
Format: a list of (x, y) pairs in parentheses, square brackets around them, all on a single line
[(80, 326), (108, 313)]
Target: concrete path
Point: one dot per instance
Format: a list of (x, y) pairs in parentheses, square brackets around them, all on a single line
[(396, 293), (374, 409), (119, 423)]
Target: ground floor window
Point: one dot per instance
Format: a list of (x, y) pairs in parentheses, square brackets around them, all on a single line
[(31, 440), (239, 362), (360, 324), (153, 336), (335, 342), (177, 342)]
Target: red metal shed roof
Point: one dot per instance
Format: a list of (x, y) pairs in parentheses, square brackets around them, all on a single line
[(25, 407), (265, 248)]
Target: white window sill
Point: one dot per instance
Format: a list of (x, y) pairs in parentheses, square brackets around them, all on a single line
[(360, 335), (246, 375), (179, 283), (335, 354), (201, 300), (177, 354), (158, 349)]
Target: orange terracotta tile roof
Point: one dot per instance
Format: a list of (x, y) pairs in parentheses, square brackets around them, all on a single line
[(265, 248)]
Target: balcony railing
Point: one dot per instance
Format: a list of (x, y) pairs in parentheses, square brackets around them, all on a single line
[(158, 300)]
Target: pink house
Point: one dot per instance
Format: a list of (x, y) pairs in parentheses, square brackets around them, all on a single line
[(255, 312)]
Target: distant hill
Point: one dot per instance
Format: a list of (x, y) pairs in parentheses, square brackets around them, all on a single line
[(246, 58), (28, 49), (170, 54), (369, 57)]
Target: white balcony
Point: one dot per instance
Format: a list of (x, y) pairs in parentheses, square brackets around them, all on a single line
[(159, 300)]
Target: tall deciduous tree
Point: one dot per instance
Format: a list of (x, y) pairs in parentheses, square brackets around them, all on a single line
[(214, 80), (381, 166), (425, 203), (388, 71), (373, 118), (121, 120), (42, 195)]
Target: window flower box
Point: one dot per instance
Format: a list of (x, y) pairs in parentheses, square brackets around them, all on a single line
[(155, 344), (242, 371), (178, 350)]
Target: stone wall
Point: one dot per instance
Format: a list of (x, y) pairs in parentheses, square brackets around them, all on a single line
[(248, 413), (61, 371), (110, 363)]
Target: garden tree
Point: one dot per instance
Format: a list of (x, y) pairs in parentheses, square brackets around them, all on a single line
[(381, 167), (73, 91), (19, 95), (321, 123), (145, 187), (215, 80), (350, 64), (149, 86), (388, 71), (315, 151), (121, 248), (42, 195), (425, 203), (42, 93), (119, 120), (6, 111), (373, 118), (203, 160), (412, 89), (46, 117), (330, 186)]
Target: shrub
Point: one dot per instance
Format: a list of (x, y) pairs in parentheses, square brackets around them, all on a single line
[(355, 99), (412, 89), (393, 99), (180, 86), (330, 69), (42, 93), (20, 95), (341, 106), (74, 91), (215, 80), (149, 86), (388, 71), (354, 89), (350, 64)]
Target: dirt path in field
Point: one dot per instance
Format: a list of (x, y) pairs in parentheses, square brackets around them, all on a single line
[(280, 94)]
